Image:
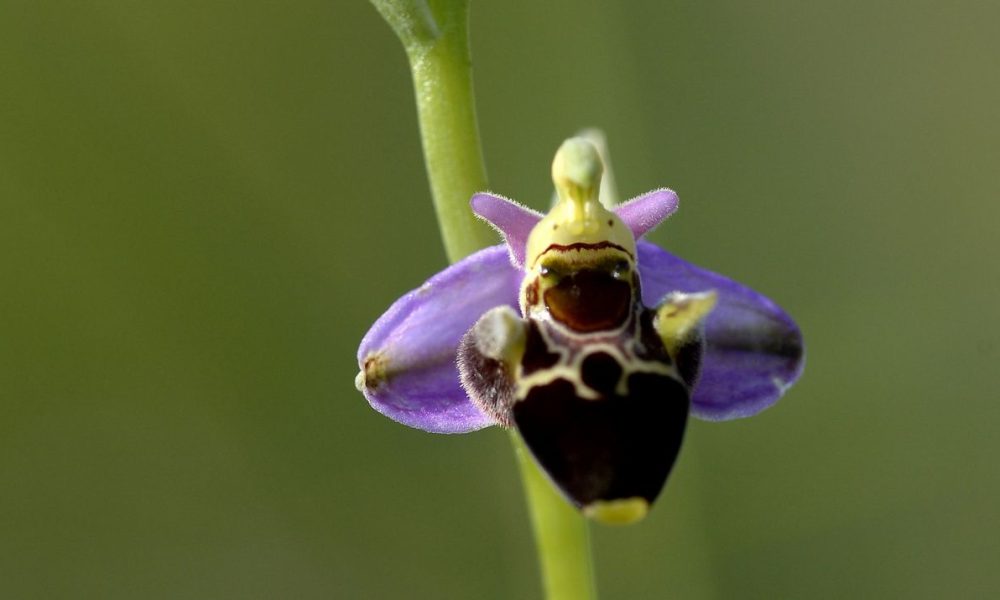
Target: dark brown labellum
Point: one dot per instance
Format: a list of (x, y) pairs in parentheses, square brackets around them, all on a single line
[(616, 447)]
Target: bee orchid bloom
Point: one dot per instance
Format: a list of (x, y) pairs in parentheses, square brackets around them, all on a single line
[(593, 344)]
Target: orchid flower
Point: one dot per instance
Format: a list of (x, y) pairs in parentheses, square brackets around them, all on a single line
[(593, 344)]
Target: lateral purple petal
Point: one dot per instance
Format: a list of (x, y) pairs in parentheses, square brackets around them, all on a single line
[(407, 359), (645, 212), (512, 220), (753, 349)]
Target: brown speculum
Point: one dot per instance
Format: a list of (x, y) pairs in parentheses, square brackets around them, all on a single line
[(591, 298)]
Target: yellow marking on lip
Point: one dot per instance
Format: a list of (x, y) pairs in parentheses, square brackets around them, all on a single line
[(623, 511)]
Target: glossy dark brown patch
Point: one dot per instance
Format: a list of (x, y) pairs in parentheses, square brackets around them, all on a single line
[(590, 300), (536, 352), (601, 372), (611, 448)]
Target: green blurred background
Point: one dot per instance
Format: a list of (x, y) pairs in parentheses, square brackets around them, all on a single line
[(204, 205)]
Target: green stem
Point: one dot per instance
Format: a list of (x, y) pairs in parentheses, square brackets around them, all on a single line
[(436, 40), (561, 534), (435, 36)]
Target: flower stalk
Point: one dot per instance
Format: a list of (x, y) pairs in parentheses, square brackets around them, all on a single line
[(435, 37), (561, 534)]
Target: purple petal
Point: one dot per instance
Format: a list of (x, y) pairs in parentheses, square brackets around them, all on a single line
[(645, 212), (512, 220), (407, 358), (753, 349)]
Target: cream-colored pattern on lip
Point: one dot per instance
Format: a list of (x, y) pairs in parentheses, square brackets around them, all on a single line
[(619, 344)]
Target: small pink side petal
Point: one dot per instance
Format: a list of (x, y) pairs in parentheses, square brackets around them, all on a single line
[(645, 212), (512, 220)]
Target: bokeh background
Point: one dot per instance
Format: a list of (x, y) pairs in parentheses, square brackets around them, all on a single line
[(204, 205)]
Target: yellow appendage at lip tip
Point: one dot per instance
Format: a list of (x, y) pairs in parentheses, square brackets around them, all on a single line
[(617, 512)]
